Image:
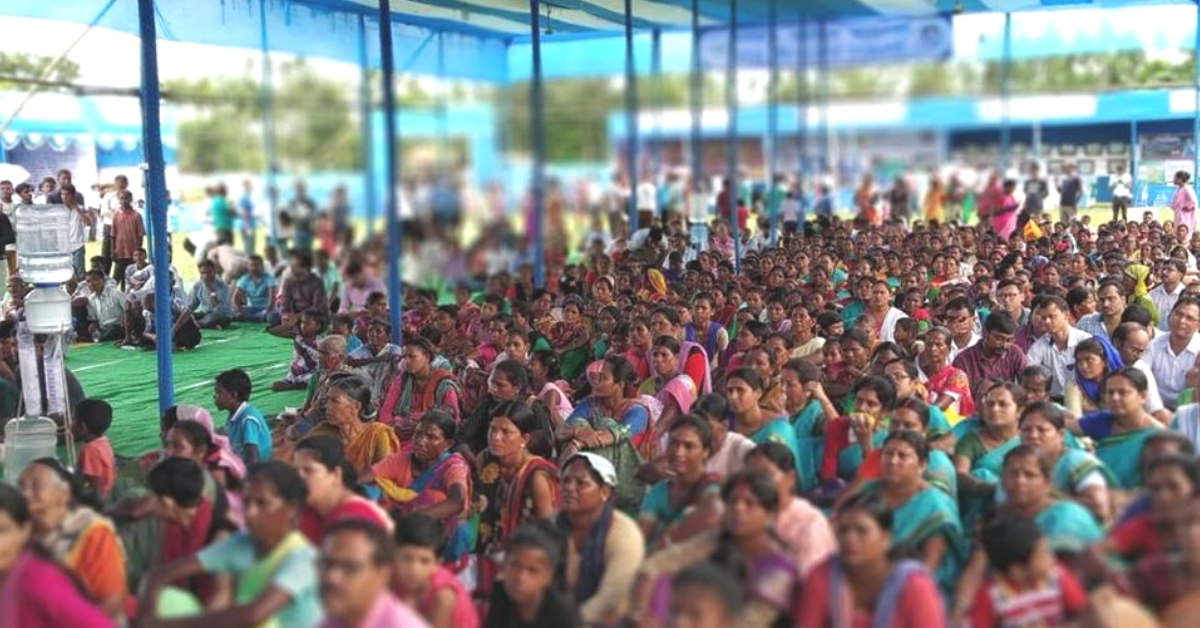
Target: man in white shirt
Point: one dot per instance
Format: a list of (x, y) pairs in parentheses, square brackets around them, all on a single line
[(80, 220), (1121, 185), (1131, 341), (106, 308), (1165, 294), (1055, 350), (647, 202), (1172, 354)]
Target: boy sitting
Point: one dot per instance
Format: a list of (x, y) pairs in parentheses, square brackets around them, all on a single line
[(95, 460)]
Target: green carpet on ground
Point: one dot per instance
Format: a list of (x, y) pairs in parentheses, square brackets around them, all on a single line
[(127, 379)]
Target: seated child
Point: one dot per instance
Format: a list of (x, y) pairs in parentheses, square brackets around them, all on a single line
[(704, 596), (1027, 586), (95, 460), (188, 521), (522, 596), (343, 325), (305, 353), (248, 434), (424, 584)]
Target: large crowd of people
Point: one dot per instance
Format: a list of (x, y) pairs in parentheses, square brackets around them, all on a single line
[(896, 421)]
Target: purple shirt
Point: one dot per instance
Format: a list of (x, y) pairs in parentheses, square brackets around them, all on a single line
[(978, 366), (387, 612), (303, 294), (355, 299)]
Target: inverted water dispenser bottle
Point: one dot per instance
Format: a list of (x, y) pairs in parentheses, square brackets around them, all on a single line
[(44, 244)]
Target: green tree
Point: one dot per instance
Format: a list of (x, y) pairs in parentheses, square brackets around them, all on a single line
[(17, 68)]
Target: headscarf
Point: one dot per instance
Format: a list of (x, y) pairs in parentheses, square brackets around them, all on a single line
[(225, 458), (1112, 359), (1139, 274), (656, 284)]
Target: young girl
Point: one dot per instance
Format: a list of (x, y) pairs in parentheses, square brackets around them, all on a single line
[(421, 582), (305, 355)]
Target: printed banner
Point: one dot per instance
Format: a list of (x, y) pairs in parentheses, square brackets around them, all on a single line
[(849, 42)]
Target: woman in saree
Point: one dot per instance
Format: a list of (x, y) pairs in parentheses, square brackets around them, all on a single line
[(331, 359), (547, 383), (762, 361), (743, 543), (512, 485), (1029, 493), (912, 414), (431, 479), (673, 389), (1183, 203), (612, 424), (35, 592), (948, 386), (418, 389), (686, 503), (849, 438), (744, 390), (926, 525), (808, 409), (272, 563), (509, 381), (1171, 481), (693, 361), (1095, 358), (330, 497), (800, 524), (846, 590), (348, 409), (1136, 277), (66, 523), (1120, 431), (571, 338), (604, 546), (641, 342), (1074, 473), (979, 454)]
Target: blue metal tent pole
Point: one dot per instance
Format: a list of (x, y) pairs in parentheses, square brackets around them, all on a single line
[(1005, 96), (390, 163), (266, 98), (631, 119), (656, 75), (538, 144), (731, 140), (772, 117), (156, 202), (823, 78), (696, 104), (366, 111)]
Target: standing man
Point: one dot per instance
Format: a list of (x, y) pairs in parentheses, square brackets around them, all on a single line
[(79, 221), (55, 197), (124, 234), (301, 211), (7, 201), (1036, 192), (1121, 185), (109, 206), (1070, 190), (355, 571), (245, 208)]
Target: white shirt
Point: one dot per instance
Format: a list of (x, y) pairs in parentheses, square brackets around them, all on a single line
[(647, 196), (1120, 185), (1163, 301), (887, 331), (1154, 401), (1187, 422), (1170, 369), (1045, 352), (955, 349), (731, 457)]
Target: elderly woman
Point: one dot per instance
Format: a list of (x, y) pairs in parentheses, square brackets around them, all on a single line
[(604, 547), (70, 530), (331, 359), (351, 418)]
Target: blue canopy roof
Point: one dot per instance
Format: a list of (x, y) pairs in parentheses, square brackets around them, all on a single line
[(487, 40)]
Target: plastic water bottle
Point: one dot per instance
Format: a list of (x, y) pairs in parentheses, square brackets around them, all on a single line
[(26, 439), (44, 243)]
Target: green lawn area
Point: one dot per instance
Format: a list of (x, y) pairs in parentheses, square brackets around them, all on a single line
[(127, 379)]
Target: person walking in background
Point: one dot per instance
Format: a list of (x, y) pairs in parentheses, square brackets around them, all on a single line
[(1070, 191), (1184, 202), (222, 214)]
